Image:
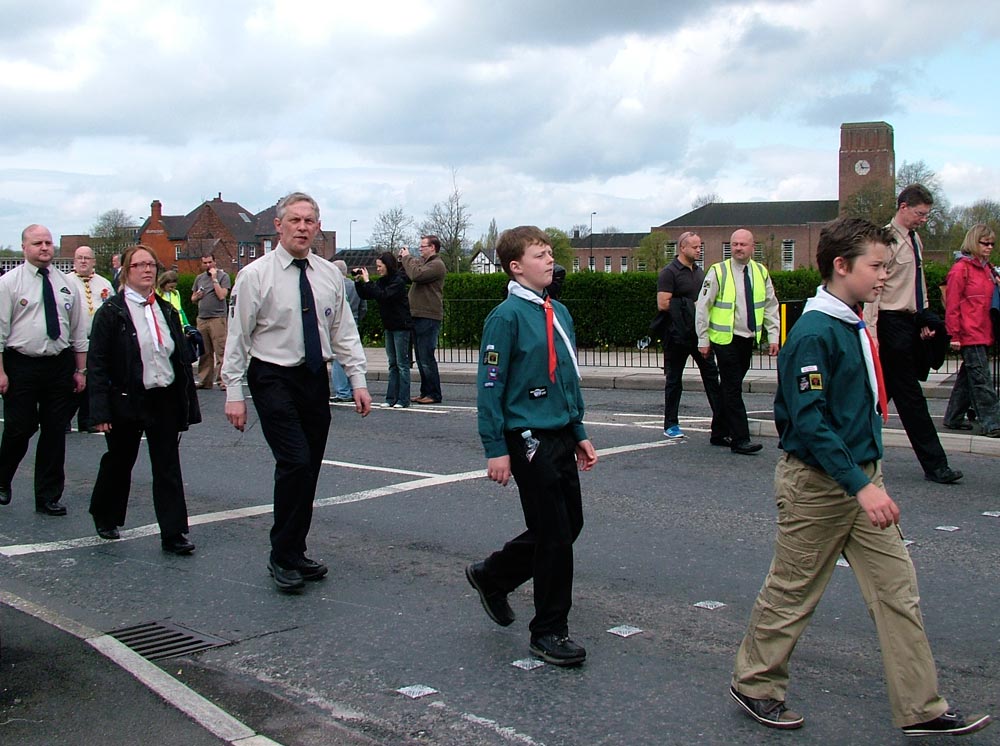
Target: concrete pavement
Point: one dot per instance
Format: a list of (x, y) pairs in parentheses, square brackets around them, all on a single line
[(61, 682)]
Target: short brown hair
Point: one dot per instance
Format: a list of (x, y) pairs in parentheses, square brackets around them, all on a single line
[(913, 195), (847, 238), (513, 242)]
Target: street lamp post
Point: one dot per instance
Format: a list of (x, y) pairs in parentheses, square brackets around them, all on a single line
[(591, 267), (350, 233)]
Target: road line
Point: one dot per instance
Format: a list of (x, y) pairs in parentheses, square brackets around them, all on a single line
[(366, 467), (140, 532)]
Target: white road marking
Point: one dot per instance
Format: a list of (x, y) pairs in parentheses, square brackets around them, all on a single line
[(368, 467), (430, 480), (214, 719)]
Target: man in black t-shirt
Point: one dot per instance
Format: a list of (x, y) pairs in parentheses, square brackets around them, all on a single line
[(676, 292)]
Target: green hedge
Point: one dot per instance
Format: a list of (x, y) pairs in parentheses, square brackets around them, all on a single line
[(609, 309)]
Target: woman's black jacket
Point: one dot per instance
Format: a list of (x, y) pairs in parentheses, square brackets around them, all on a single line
[(114, 367), (393, 304)]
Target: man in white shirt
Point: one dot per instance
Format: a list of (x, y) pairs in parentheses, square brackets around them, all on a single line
[(289, 317), (43, 340), (93, 292)]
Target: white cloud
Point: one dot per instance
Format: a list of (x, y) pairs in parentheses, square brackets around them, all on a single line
[(547, 110)]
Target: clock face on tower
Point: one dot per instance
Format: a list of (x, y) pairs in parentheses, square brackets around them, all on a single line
[(862, 167)]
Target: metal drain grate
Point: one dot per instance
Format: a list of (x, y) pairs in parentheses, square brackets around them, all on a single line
[(158, 640)]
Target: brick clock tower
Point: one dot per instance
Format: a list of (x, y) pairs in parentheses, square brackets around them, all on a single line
[(867, 158)]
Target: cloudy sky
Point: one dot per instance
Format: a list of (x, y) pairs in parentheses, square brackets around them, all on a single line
[(545, 110)]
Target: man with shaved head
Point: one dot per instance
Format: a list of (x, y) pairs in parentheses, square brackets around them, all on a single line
[(43, 340), (736, 304), (93, 291)]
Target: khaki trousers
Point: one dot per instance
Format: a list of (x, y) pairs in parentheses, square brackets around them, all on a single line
[(213, 334), (817, 522)]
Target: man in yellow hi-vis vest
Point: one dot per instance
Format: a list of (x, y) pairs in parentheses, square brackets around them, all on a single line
[(736, 304)]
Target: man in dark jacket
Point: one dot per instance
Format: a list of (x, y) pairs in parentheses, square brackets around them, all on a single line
[(676, 292)]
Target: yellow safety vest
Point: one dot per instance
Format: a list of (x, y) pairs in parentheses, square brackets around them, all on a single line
[(722, 314)]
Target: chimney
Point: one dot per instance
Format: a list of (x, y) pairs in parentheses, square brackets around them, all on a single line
[(155, 211), (219, 198), (576, 233)]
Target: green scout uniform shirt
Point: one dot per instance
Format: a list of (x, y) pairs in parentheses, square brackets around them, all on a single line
[(513, 378), (824, 408)]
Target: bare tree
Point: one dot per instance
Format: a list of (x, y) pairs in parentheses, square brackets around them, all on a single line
[(392, 230), (705, 199), (579, 230), (113, 232), (940, 220), (610, 230), (450, 221)]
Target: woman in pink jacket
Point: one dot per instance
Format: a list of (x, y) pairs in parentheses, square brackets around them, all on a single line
[(971, 281)]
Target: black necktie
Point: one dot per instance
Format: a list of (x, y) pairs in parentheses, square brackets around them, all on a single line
[(919, 272), (49, 301), (310, 325), (748, 293)]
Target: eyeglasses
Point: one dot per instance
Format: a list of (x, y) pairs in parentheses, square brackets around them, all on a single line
[(142, 265), (987, 243), (921, 213)]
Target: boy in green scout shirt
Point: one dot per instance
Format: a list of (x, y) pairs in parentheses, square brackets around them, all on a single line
[(831, 500), (531, 425)]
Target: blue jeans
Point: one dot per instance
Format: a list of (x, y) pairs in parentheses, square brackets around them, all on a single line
[(397, 352), (340, 384), (425, 337)]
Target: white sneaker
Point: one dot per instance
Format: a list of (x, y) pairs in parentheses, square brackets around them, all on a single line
[(397, 405)]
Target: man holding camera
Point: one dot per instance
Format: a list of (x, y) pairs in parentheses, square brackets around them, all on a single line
[(426, 272), (211, 288)]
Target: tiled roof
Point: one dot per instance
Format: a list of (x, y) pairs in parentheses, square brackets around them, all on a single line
[(736, 214), (609, 241)]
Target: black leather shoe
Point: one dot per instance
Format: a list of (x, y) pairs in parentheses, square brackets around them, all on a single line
[(108, 532), (950, 724), (311, 569), (5, 495), (495, 604), (558, 650), (52, 507), (963, 425), (176, 544), (769, 712), (721, 440), (286, 578), (943, 475), (745, 447)]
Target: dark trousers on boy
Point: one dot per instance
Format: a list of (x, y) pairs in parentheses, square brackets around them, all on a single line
[(549, 487)]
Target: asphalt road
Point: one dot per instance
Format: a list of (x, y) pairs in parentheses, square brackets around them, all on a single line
[(403, 507)]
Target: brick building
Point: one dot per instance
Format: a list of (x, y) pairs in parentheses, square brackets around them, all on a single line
[(787, 233), (235, 235)]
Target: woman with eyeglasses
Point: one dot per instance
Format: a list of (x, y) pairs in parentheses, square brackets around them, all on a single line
[(971, 283), (140, 381)]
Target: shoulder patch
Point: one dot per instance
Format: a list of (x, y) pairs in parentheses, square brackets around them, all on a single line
[(491, 357), (810, 381)]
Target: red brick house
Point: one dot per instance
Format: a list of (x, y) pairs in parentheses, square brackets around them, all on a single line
[(234, 235)]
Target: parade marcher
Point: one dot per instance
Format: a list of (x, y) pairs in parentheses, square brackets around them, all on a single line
[(43, 341), (831, 500), (290, 316), (141, 384), (93, 292), (531, 425), (902, 324)]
